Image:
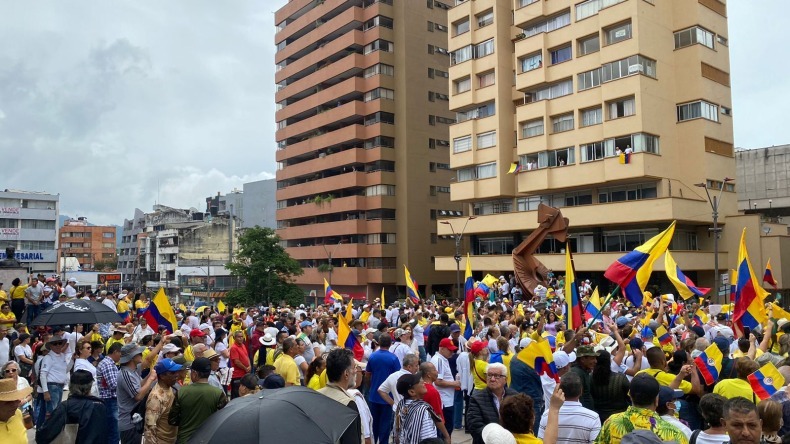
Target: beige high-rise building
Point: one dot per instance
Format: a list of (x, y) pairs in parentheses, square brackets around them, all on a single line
[(562, 88), (362, 142)]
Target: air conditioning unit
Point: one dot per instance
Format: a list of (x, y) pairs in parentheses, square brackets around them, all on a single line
[(635, 68)]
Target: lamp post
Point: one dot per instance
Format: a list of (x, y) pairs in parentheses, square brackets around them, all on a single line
[(329, 257), (457, 256), (714, 204)]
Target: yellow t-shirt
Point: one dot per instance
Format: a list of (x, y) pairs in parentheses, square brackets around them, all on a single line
[(19, 292), (479, 374), (140, 305), (96, 337), (8, 320), (364, 316), (740, 354), (527, 438), (322, 379), (731, 388), (123, 306), (506, 360), (286, 367), (315, 382), (3, 296), (189, 355), (111, 341), (665, 378), (13, 431)]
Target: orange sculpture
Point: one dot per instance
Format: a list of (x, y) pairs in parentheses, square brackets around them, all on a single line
[(529, 271)]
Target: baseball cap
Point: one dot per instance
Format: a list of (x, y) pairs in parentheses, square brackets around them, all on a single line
[(666, 394), (448, 344), (647, 332), (196, 333), (305, 324), (273, 381), (454, 328), (636, 343), (644, 389), (170, 348), (81, 377), (477, 346), (524, 342), (622, 321), (586, 350), (201, 364), (407, 381), (167, 365), (562, 359), (496, 434)]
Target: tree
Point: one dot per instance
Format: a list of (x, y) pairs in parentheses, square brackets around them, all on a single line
[(109, 264), (267, 270)]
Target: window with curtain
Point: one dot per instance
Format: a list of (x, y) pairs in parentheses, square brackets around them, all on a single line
[(592, 151), (461, 55), (465, 174), (461, 27), (560, 55), (531, 62), (698, 109), (589, 79), (486, 140), (562, 123), (532, 128), (485, 19), (486, 79), (588, 45), (622, 108), (618, 33), (486, 170), (591, 116), (463, 85), (461, 144), (485, 48)]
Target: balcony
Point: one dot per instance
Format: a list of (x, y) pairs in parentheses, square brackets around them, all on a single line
[(343, 91), (336, 160), (340, 228), (339, 205), (337, 137), (325, 185), (318, 252)]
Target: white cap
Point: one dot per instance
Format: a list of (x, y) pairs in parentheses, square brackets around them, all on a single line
[(204, 326), (496, 434), (47, 290), (562, 359), (524, 343), (72, 280)]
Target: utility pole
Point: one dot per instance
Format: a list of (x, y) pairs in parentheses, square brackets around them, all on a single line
[(714, 204), (208, 278), (457, 256)]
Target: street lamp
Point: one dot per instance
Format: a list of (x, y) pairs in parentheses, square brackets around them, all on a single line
[(329, 257), (714, 204), (457, 256)]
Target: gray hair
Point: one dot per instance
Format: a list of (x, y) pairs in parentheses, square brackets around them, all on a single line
[(701, 344), (410, 359), (80, 389), (6, 365), (498, 366)]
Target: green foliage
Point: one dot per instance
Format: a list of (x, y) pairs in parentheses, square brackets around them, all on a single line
[(325, 268), (266, 267)]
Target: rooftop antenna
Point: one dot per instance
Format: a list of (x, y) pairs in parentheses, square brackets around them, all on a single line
[(158, 183)]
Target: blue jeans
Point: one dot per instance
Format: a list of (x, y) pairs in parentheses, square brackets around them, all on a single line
[(112, 420), (382, 422), (423, 354), (458, 414), (44, 408), (449, 417), (32, 312)]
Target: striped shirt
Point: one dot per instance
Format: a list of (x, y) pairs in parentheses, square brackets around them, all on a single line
[(577, 425)]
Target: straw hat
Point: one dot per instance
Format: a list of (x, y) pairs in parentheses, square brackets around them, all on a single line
[(9, 392)]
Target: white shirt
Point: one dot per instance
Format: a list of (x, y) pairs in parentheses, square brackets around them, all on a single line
[(394, 317), (83, 364), (193, 322), (70, 291), (549, 384), (221, 347), (140, 332), (418, 335), (467, 380), (54, 369), (389, 386), (629, 363), (443, 368), (23, 350), (577, 424), (400, 350), (331, 339), (109, 302), (364, 413), (676, 422), (5, 351), (72, 339), (704, 438)]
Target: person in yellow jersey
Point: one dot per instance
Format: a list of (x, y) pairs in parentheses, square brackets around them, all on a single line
[(734, 387), (365, 314), (141, 304), (17, 294), (658, 369), (7, 317), (123, 308), (478, 362), (3, 294), (12, 427), (117, 336)]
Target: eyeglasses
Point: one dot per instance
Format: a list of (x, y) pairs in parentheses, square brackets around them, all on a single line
[(87, 348), (10, 370), (492, 376)]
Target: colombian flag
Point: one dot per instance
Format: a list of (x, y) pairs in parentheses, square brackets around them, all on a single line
[(347, 339), (632, 271), (663, 335), (160, 312), (330, 295), (769, 276), (733, 284), (573, 304), (411, 287), (700, 318), (538, 356), (749, 310), (709, 364), (682, 283), (469, 299), (593, 308), (766, 381)]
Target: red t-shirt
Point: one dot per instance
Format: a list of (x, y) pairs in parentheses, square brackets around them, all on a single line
[(239, 351), (433, 398)]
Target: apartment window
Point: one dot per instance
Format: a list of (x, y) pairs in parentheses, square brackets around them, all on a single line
[(637, 143), (485, 79), (561, 157), (444, 120), (635, 64), (562, 123), (442, 166), (380, 238), (441, 5), (436, 26), (591, 116), (591, 7), (35, 224), (694, 36), (379, 93), (442, 189), (486, 170), (726, 111), (108, 235), (465, 174), (722, 40), (485, 48), (461, 55), (592, 151), (532, 128), (107, 245), (531, 62), (380, 117), (698, 109), (433, 96), (559, 55), (380, 190), (588, 45), (522, 3), (548, 25), (461, 144), (379, 141), (379, 68), (479, 112), (718, 185), (379, 45), (589, 79), (485, 18), (548, 92), (492, 207), (629, 192), (378, 20), (618, 33), (621, 108), (461, 27), (486, 140)]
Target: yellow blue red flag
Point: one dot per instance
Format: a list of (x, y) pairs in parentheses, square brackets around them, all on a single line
[(347, 339), (749, 309), (593, 306), (538, 356), (469, 299), (682, 283), (768, 277), (632, 271), (573, 303), (766, 381), (412, 290), (160, 313), (330, 295), (709, 364)]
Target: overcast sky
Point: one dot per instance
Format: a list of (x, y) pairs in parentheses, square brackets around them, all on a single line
[(112, 104)]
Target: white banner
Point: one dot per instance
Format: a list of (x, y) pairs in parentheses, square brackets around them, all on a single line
[(9, 233), (9, 210)]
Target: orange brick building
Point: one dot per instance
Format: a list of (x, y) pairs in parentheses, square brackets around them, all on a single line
[(88, 243)]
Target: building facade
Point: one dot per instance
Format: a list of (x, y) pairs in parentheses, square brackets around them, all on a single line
[(557, 91), (258, 205), (89, 244), (362, 142), (765, 181), (28, 222)]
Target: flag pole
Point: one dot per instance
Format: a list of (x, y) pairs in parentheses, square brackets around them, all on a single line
[(603, 306)]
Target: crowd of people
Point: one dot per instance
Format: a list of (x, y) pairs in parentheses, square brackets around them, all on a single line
[(412, 375)]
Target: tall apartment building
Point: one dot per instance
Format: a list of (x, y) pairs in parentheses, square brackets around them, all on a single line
[(89, 244), (362, 141), (562, 88), (29, 223)]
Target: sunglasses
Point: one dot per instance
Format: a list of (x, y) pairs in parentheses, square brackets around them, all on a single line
[(57, 343), (11, 370)]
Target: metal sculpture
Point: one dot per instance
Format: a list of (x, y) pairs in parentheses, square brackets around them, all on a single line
[(529, 271)]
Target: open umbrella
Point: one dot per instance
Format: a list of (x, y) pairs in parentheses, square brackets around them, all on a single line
[(77, 311), (291, 414)]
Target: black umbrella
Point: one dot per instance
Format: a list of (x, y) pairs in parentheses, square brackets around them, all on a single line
[(291, 414), (77, 311)]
